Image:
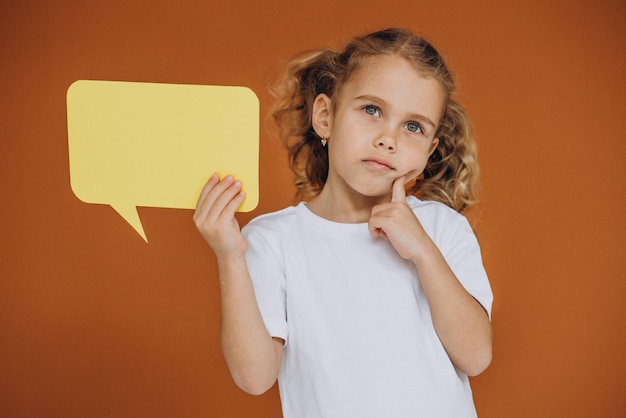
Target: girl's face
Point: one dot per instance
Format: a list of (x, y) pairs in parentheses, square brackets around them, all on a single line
[(383, 126)]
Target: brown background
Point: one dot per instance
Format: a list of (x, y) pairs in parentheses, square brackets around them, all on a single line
[(94, 322)]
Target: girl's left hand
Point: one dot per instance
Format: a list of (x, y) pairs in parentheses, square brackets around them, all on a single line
[(397, 222)]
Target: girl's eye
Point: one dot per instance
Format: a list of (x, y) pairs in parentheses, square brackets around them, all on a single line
[(372, 110), (414, 127)]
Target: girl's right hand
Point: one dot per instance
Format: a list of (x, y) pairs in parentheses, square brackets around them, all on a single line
[(215, 216)]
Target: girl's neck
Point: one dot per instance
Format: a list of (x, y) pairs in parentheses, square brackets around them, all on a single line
[(344, 207)]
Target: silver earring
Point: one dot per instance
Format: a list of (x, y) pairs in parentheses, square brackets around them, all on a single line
[(324, 141)]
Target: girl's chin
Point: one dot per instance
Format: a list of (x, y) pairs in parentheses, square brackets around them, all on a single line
[(378, 190), (380, 194)]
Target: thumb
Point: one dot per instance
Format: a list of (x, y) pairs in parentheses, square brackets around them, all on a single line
[(398, 194)]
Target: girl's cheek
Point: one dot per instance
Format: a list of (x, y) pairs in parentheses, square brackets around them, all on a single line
[(412, 174)]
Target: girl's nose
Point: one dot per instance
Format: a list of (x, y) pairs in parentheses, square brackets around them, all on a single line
[(387, 141)]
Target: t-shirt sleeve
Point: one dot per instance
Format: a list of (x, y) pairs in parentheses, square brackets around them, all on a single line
[(462, 252), (268, 279)]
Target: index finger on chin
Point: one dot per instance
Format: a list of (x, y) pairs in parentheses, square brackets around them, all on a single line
[(398, 194)]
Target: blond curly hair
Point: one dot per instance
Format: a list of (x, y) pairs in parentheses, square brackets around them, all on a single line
[(451, 173)]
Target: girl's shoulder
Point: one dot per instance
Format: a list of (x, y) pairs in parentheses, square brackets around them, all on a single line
[(436, 217), (273, 220), (432, 207)]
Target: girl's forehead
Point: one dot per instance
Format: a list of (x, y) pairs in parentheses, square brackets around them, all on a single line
[(390, 73), (395, 82)]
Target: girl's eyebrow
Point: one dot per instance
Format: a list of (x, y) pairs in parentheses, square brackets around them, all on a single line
[(378, 100)]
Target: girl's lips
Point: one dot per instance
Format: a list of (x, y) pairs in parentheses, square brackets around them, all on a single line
[(378, 164)]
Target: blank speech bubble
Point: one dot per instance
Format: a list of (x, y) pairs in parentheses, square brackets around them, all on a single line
[(155, 145)]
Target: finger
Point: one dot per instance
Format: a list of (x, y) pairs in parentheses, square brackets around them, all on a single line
[(200, 206), (213, 180), (375, 224), (222, 201), (234, 204), (398, 193), (211, 194), (378, 232), (232, 198)]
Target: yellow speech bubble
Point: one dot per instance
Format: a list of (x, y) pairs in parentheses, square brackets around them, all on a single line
[(155, 145)]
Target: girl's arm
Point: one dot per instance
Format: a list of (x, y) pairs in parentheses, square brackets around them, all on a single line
[(461, 323), (252, 355)]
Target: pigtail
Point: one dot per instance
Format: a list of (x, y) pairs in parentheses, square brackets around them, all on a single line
[(451, 174), (304, 79)]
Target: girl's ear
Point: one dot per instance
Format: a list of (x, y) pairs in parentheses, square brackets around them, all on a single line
[(321, 117), (433, 146)]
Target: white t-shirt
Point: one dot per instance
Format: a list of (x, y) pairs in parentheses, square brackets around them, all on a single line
[(359, 338)]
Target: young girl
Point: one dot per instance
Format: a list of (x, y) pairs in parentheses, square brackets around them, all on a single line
[(363, 302)]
